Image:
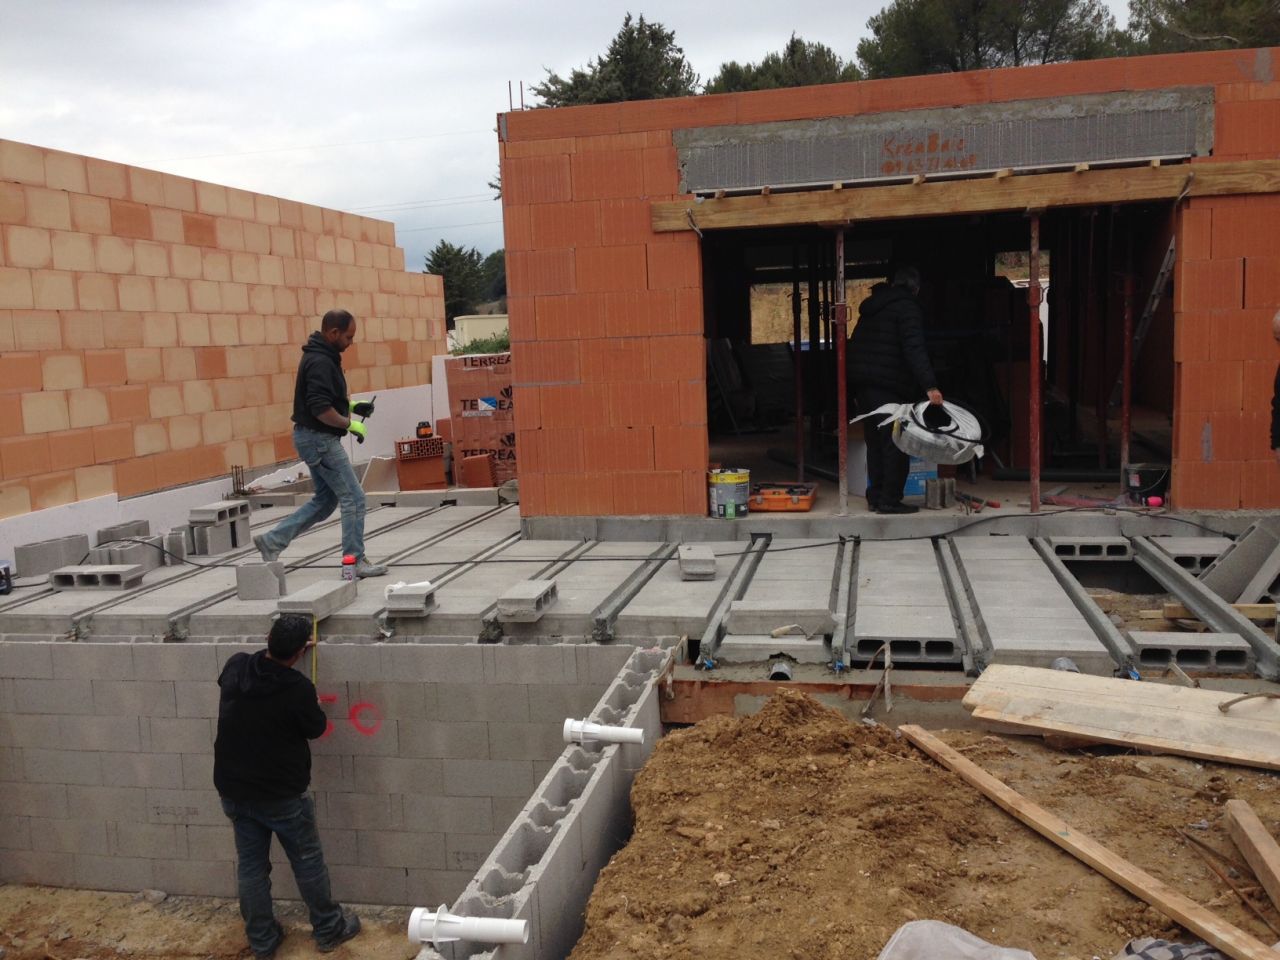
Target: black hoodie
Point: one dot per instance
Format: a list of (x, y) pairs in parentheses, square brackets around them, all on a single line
[(320, 385), (887, 347), (266, 714)]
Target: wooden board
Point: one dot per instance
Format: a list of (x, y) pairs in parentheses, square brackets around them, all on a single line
[(1229, 939), (982, 195), (1250, 611), (1155, 717), (1258, 846)]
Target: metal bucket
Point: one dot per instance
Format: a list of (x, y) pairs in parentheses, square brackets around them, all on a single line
[(728, 493)]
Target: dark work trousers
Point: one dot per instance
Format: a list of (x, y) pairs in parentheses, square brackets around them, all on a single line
[(886, 465)]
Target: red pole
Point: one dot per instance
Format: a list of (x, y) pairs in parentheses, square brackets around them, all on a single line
[(1033, 366), (841, 332), (799, 361)]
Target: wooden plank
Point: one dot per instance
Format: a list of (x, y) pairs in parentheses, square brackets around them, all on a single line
[(1250, 611), (1155, 717), (1231, 940), (1260, 849), (983, 195)]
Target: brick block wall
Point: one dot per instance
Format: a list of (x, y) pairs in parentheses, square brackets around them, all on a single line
[(106, 762), (606, 316), (150, 324)]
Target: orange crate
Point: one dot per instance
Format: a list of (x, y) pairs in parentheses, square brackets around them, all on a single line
[(783, 497)]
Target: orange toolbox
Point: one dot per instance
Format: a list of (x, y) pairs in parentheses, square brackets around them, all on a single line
[(788, 497)]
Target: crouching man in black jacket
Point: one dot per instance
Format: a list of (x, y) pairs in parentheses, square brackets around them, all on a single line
[(888, 364), (262, 768)]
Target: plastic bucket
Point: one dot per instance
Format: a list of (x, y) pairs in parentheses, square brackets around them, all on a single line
[(728, 493)]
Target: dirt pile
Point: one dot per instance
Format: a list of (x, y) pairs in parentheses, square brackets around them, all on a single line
[(796, 833)]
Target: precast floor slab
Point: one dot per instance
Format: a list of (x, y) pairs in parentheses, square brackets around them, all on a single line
[(935, 601)]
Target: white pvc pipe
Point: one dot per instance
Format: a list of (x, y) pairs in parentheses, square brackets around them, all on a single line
[(387, 591), (441, 927), (580, 731)]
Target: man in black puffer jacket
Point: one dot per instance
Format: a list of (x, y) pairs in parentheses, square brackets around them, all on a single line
[(267, 711), (888, 364)]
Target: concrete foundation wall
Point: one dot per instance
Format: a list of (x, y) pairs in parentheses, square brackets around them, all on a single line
[(106, 762)]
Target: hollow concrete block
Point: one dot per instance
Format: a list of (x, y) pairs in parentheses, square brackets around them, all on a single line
[(697, 562), (120, 531), (212, 538), (106, 577), (320, 599), (218, 512), (260, 581), (526, 601)]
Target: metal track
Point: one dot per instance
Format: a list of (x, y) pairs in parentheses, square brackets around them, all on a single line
[(1106, 631), (845, 591), (605, 616), (735, 586), (975, 655)]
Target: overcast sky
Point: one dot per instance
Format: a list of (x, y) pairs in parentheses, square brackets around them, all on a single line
[(382, 107)]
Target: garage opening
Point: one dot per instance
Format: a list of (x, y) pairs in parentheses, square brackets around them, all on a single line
[(1104, 276)]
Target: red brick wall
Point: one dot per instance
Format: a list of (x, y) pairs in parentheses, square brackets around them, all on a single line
[(606, 316), (150, 324)]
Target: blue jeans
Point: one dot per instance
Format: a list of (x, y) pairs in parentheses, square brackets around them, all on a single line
[(294, 822), (335, 483)]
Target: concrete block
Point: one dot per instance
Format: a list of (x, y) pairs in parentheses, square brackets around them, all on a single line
[(108, 803), (412, 600), (26, 660), (211, 539), (450, 814), (553, 702), (134, 698), (123, 554), (72, 661), (34, 866), (1231, 573), (83, 767), (175, 661), (531, 663), (320, 599), (130, 528), (68, 836), (174, 735), (355, 884), (197, 770), (240, 532), (443, 664), (98, 556), (443, 739), (126, 874), (481, 701), (184, 807), (19, 731), (1207, 652), (1092, 548), (150, 840), (360, 811), (525, 741), (21, 799), (176, 542), (213, 843), (53, 696), (98, 733), (697, 562), (87, 577), (474, 496), (160, 770), (38, 559), (400, 849), (202, 878), (1193, 553), (260, 581), (222, 511), (526, 601), (398, 774)]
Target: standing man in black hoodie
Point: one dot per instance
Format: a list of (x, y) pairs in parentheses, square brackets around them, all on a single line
[(888, 363), (267, 712), (322, 415)]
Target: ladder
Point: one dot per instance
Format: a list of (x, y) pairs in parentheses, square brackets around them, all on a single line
[(1144, 322)]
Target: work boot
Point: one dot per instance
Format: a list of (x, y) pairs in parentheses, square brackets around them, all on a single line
[(271, 951), (350, 927), (268, 555), (898, 507), (366, 569)]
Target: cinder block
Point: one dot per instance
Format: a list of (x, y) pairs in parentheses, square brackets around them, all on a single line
[(161, 770), (400, 849), (531, 663), (197, 878), (26, 660), (176, 735), (76, 661), (1092, 548), (223, 510), (361, 811), (184, 807), (107, 577), (125, 554), (481, 701), (23, 799), (53, 696), (174, 661), (108, 803), (33, 866), (99, 556), (127, 874), (525, 741), (443, 739), (134, 698), (412, 600), (399, 774), (69, 836), (526, 601), (369, 884), (319, 599), (697, 562), (474, 497), (130, 528), (240, 531), (82, 767), (260, 581), (211, 538), (38, 559), (175, 546), (434, 664)]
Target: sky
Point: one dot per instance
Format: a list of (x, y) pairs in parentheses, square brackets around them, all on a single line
[(385, 108)]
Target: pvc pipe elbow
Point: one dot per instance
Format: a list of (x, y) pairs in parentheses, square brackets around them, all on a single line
[(440, 926), (581, 731)]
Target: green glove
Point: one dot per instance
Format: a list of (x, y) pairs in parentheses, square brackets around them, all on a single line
[(362, 408), (359, 429)]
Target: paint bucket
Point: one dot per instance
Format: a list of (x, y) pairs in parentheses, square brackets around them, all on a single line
[(728, 493)]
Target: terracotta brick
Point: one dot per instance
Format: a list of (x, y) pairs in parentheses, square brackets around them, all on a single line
[(533, 493), (652, 492), (15, 289), (679, 358), (705, 111), (579, 494), (240, 203), (61, 371), (172, 295), (52, 490), (284, 301), (211, 198), (1262, 282), (640, 404), (271, 270), (257, 238), (674, 266), (565, 225), (224, 329), (197, 396), (1212, 486), (87, 408), (6, 332), (246, 422), (179, 192), (122, 330), (615, 359), (106, 179), (21, 163), (1238, 334), (105, 368), (144, 365), (1210, 386), (215, 427), (135, 476), (199, 230), (13, 204), (164, 400), (1195, 232), (82, 331), (1259, 485), (28, 247), (146, 186), (216, 265), (544, 179), (613, 449), (184, 432), (187, 262), (541, 272), (48, 208), (344, 250), (39, 330), (1240, 227), (234, 297), (136, 293), (160, 330), (45, 412), (90, 215), (167, 226), (625, 222), (24, 456), (128, 403), (549, 362), (130, 219), (608, 269), (70, 449), (94, 481), (240, 361), (639, 312), (695, 492), (244, 268), (607, 173), (230, 233), (151, 259), (178, 363), (693, 402), (661, 172), (96, 291), (53, 290), (206, 296), (72, 251), (193, 329), (1209, 284), (585, 405), (148, 438), (21, 372), (65, 172), (113, 255)]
